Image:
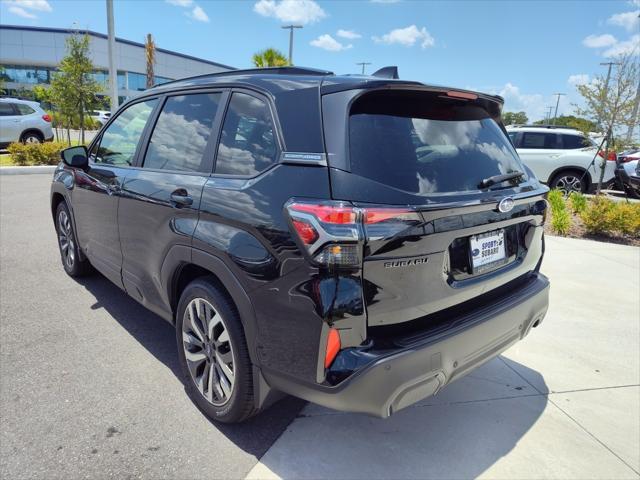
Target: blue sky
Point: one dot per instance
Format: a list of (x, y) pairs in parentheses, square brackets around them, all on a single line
[(523, 50)]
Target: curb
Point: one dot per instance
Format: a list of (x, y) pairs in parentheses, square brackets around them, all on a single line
[(27, 170)]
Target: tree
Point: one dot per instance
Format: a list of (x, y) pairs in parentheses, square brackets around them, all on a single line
[(514, 118), (150, 54), (269, 58), (571, 121), (73, 88), (611, 104)]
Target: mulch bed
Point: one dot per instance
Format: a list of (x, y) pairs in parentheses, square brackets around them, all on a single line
[(577, 230)]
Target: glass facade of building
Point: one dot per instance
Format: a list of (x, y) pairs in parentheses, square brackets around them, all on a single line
[(28, 75)]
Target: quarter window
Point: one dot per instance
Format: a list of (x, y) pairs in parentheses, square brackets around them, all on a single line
[(120, 139), (181, 134), (248, 144), (24, 109), (570, 142)]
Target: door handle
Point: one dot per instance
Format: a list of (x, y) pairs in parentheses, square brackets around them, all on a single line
[(181, 198)]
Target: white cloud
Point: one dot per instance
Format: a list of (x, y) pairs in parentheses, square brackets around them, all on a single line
[(348, 34), (599, 41), (198, 14), (626, 20), (296, 11), (27, 8), (327, 42), (180, 3), (622, 48), (578, 79), (407, 36), (21, 12)]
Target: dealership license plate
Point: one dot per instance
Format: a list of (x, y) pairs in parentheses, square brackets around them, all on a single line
[(487, 250)]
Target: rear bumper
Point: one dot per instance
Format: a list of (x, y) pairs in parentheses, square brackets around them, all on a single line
[(624, 178), (397, 380)]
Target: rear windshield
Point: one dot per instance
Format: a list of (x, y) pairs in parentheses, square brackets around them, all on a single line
[(426, 144)]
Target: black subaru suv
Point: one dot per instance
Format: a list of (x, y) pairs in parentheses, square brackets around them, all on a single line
[(356, 241)]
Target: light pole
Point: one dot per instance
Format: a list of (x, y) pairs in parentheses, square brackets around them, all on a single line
[(113, 72), (555, 115), (363, 65), (549, 108), (290, 28)]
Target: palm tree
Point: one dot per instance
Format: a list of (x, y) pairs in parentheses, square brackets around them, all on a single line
[(150, 54), (269, 57)]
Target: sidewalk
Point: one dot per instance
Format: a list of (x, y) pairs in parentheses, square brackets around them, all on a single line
[(563, 403)]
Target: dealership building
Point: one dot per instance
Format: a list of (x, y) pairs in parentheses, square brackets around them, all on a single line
[(29, 55)]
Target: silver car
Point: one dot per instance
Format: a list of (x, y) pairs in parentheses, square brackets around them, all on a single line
[(23, 121)]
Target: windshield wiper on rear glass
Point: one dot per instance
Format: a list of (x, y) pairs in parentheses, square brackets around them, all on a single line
[(487, 182)]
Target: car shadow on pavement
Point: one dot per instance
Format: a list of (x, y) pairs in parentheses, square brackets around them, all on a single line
[(465, 430), (157, 336)]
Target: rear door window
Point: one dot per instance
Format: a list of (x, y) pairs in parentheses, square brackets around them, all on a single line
[(247, 143), (540, 140), (6, 110), (24, 109), (425, 144), (181, 133)]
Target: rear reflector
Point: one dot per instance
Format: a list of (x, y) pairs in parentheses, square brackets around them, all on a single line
[(333, 347)]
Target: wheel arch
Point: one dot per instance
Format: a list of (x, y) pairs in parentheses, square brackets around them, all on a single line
[(37, 131), (184, 264), (567, 168)]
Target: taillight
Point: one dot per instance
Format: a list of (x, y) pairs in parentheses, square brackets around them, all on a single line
[(46, 117), (333, 347), (611, 157), (333, 232)]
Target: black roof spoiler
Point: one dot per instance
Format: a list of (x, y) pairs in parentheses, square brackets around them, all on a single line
[(386, 72)]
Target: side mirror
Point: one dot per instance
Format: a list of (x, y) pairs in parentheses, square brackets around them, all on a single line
[(77, 157)]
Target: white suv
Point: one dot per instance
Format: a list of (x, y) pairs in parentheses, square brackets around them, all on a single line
[(561, 157), (23, 121)]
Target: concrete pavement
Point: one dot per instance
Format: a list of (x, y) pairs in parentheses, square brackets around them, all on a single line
[(563, 404)]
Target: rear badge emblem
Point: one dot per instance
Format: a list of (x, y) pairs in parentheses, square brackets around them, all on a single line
[(406, 263), (506, 204)]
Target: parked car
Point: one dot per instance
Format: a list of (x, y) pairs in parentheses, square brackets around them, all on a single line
[(101, 116), (23, 121), (358, 242), (629, 155), (562, 157), (628, 175)]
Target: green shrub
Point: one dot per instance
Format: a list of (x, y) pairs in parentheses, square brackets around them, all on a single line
[(578, 202), (556, 200), (597, 217), (561, 222), (560, 217), (36, 153), (625, 218)]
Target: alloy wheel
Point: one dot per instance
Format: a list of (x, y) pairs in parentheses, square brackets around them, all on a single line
[(65, 238), (208, 351), (31, 139), (568, 184)]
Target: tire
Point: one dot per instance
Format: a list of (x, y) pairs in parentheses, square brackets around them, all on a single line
[(73, 264), (216, 368), (31, 137), (569, 181)]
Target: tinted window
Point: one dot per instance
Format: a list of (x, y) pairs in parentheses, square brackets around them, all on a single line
[(24, 109), (182, 132), (247, 145), (539, 140), (120, 139), (574, 141), (6, 109), (513, 136), (422, 144)]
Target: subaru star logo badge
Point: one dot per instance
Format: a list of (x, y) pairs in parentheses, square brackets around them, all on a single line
[(506, 204)]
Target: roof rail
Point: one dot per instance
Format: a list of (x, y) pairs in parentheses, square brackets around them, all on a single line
[(268, 70)]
